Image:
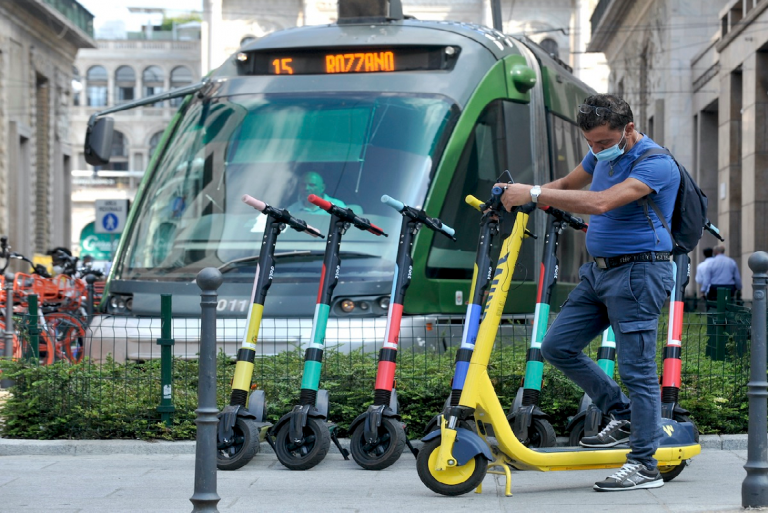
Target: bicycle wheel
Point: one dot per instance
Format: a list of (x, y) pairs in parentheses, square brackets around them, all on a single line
[(45, 349), (68, 335)]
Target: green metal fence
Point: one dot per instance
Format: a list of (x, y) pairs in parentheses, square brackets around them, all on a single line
[(104, 398)]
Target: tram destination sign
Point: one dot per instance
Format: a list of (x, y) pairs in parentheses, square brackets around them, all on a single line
[(326, 61)]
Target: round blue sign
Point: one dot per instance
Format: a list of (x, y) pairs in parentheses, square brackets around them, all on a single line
[(110, 222)]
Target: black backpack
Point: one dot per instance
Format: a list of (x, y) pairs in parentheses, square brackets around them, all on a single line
[(689, 216)]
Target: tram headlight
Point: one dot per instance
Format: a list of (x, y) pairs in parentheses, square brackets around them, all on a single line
[(347, 306), (119, 304)]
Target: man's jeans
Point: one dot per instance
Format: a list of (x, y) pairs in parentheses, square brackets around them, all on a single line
[(629, 298)]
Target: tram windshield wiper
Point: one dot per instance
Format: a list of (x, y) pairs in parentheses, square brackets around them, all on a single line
[(228, 266)]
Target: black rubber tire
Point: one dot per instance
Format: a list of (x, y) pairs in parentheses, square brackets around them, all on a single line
[(474, 470), (312, 449), (577, 430), (385, 452), (540, 434), (668, 473), (247, 444)]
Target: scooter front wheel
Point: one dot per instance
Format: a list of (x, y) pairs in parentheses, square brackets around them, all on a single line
[(246, 444), (453, 480), (669, 472), (309, 451), (382, 453)]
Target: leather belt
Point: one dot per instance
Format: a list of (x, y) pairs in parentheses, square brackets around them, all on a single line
[(650, 256)]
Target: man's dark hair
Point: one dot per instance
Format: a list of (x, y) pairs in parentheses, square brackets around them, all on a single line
[(620, 114), (707, 252)]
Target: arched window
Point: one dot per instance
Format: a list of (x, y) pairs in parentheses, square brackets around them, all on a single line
[(96, 83), (125, 84), (118, 161), (154, 82), (550, 46), (153, 142), (180, 77)]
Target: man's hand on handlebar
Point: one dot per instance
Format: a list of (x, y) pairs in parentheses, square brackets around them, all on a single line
[(514, 195)]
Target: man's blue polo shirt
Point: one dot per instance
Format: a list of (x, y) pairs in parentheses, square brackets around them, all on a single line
[(625, 230)]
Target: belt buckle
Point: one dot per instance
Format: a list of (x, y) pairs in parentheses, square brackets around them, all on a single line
[(601, 262)]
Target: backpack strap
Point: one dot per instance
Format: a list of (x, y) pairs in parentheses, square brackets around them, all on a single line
[(644, 201)]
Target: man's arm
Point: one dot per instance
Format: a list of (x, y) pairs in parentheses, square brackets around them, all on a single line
[(573, 181), (578, 201)]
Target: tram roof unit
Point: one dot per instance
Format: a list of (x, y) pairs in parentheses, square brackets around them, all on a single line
[(480, 49)]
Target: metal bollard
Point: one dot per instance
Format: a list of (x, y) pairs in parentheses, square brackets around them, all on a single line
[(9, 331), (33, 328), (166, 343), (754, 489), (205, 497), (89, 279)]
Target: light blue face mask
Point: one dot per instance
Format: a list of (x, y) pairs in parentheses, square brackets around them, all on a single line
[(612, 152)]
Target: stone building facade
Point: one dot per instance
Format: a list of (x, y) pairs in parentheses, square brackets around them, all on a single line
[(649, 47), (38, 44), (730, 111), (114, 72)]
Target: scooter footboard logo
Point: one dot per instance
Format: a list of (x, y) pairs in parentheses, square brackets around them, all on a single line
[(669, 429)]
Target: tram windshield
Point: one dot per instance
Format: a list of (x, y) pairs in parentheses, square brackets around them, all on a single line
[(348, 148)]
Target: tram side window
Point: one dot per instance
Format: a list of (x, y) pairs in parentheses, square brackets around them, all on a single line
[(568, 148), (500, 140)]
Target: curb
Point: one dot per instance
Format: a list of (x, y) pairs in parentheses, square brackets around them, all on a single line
[(19, 447)]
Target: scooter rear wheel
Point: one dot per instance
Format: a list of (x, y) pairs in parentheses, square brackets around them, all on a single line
[(453, 480), (669, 472), (307, 453), (245, 447), (385, 451)]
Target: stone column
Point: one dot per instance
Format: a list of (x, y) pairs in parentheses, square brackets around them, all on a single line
[(729, 162), (754, 158)]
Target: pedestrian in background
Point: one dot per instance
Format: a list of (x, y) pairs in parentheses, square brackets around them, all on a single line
[(700, 271), (721, 273)]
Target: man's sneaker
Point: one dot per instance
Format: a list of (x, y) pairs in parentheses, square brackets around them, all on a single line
[(631, 476), (615, 433)]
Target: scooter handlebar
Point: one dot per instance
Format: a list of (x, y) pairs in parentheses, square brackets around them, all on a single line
[(346, 214), (392, 202), (282, 216), (573, 221), (419, 215), (257, 204), (474, 202), (711, 228)]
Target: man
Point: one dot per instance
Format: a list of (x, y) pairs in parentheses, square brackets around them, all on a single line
[(311, 183), (625, 287), (721, 273), (700, 270)]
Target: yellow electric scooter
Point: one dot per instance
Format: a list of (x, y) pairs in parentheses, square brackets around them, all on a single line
[(454, 460)]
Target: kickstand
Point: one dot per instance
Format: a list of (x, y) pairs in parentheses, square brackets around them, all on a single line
[(270, 441), (413, 449), (335, 439)]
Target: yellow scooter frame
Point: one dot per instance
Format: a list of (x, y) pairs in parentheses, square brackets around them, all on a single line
[(445, 465)]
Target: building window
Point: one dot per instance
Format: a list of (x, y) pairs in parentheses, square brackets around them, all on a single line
[(153, 142), (119, 158), (96, 83), (125, 84), (550, 46), (180, 77), (154, 82)]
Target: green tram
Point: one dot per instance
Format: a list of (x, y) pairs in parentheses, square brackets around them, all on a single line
[(423, 111)]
